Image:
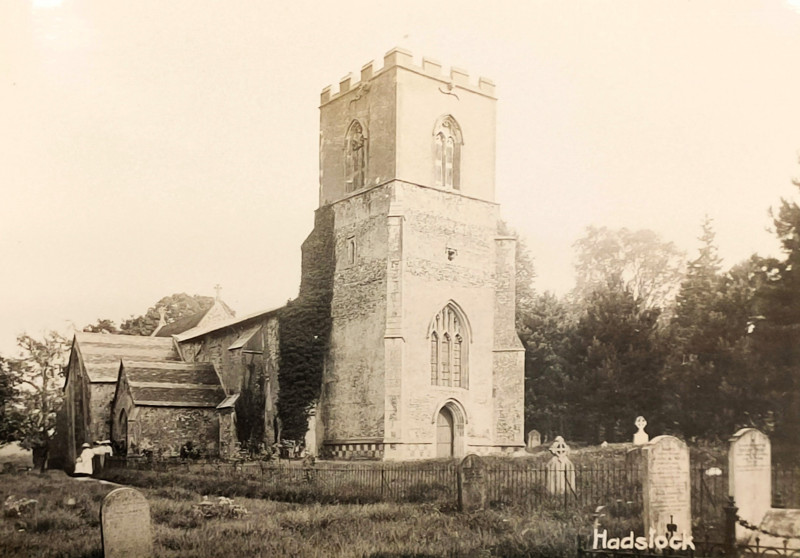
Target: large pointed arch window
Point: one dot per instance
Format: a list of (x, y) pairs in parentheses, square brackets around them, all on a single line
[(447, 143), (355, 157), (448, 337)]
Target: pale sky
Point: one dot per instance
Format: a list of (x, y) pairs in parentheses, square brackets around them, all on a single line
[(152, 147)]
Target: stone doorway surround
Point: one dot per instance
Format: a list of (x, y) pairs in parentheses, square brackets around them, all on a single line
[(449, 421)]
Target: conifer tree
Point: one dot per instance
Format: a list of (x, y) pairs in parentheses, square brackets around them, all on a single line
[(697, 318), (776, 332)]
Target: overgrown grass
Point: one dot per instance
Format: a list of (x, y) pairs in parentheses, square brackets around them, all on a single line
[(63, 528), (67, 519)]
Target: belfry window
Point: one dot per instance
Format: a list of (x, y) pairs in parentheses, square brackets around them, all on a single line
[(448, 333), (447, 143), (355, 157)]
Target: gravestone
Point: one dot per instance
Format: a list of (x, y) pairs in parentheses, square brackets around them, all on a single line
[(125, 525), (640, 437), (783, 526), (534, 439), (750, 476), (471, 484), (560, 472), (666, 486)]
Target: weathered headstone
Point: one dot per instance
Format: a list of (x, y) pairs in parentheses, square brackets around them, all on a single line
[(666, 486), (750, 476), (125, 525), (560, 472), (640, 437), (471, 484), (783, 526), (534, 439)]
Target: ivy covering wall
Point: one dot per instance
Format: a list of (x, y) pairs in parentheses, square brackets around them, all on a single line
[(305, 327), (250, 428)]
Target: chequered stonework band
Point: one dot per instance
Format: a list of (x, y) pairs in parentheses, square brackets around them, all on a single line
[(353, 451)]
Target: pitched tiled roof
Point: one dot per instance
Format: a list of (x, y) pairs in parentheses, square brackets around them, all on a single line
[(101, 352), (202, 330), (188, 322), (173, 384), (180, 325)]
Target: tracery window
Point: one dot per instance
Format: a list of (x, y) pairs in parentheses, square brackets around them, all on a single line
[(448, 333), (447, 143), (355, 157)]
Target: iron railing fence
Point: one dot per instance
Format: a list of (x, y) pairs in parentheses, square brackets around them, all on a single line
[(586, 487), (507, 482)]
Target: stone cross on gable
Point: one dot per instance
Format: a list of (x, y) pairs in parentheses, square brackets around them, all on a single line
[(217, 288), (559, 447)]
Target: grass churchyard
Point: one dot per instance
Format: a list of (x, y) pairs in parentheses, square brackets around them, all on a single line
[(215, 509), (66, 524)]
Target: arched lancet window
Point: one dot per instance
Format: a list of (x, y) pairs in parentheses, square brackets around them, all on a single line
[(434, 359), (448, 336), (447, 143), (123, 430), (355, 157)]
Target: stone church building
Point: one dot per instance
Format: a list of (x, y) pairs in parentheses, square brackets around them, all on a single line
[(422, 358)]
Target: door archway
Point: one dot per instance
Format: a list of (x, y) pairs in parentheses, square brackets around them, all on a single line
[(445, 433)]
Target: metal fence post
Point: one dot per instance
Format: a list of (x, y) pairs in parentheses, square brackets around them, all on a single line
[(730, 528)]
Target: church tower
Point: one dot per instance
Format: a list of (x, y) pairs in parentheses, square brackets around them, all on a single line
[(423, 359)]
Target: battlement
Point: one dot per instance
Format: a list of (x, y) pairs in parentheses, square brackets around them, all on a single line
[(457, 78)]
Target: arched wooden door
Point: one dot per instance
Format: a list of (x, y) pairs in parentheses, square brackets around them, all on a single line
[(444, 433)]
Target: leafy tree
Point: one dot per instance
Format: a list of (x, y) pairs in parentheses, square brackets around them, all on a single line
[(546, 330), (102, 326), (11, 416), (618, 354), (640, 261), (38, 371), (176, 306)]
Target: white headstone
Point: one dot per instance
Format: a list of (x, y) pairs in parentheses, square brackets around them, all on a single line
[(666, 486), (560, 472), (534, 439), (125, 525), (750, 476), (640, 437)]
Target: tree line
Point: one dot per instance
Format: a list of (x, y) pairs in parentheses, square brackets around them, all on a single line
[(698, 349)]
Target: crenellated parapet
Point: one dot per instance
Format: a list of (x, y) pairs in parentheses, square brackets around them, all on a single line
[(399, 57)]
